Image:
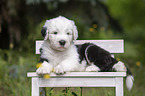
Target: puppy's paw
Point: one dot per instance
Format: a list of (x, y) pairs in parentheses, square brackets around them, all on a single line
[(45, 68), (92, 68), (59, 69)]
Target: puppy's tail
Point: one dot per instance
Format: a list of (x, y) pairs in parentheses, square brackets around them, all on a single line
[(129, 80)]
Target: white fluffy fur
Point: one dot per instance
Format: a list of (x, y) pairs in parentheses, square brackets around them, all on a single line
[(61, 23), (45, 68), (129, 82), (92, 68), (61, 58), (120, 67)]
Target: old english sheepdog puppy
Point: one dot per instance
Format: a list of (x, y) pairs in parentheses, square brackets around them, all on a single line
[(97, 59), (58, 52), (60, 55)]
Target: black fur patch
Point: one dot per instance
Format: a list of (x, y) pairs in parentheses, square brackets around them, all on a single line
[(42, 60), (128, 71), (41, 50), (43, 31), (97, 55)]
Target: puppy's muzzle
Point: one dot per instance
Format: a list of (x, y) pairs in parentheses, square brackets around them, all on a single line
[(62, 42)]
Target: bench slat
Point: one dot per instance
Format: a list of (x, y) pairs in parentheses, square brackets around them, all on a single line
[(113, 46), (77, 82), (81, 74)]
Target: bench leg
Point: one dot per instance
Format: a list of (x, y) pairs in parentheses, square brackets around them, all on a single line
[(42, 91), (35, 87), (119, 86)]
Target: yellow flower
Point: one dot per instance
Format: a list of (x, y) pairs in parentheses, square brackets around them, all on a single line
[(118, 59), (102, 28), (138, 63), (38, 65), (40, 93), (91, 29), (46, 76), (94, 25)]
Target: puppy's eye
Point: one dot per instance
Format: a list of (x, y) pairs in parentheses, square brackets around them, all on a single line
[(55, 33), (68, 33)]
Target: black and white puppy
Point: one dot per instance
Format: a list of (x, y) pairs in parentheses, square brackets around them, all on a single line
[(59, 54), (97, 59)]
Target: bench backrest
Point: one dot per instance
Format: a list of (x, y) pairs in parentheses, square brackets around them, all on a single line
[(113, 46)]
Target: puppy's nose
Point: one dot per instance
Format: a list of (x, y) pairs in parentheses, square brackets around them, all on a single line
[(62, 42)]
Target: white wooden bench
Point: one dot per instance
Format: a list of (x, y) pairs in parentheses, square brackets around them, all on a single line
[(83, 79)]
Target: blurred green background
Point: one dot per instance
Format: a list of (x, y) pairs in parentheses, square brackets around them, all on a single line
[(21, 22)]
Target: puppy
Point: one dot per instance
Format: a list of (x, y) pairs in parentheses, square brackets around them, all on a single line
[(97, 59), (58, 52)]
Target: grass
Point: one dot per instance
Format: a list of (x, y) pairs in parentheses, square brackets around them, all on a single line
[(14, 82)]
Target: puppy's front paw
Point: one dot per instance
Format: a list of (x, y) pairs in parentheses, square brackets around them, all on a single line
[(45, 68), (92, 68), (59, 69)]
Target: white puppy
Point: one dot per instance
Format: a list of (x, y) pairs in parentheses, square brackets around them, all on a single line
[(58, 53)]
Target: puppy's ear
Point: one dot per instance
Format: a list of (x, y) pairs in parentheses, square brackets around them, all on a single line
[(44, 30), (75, 31)]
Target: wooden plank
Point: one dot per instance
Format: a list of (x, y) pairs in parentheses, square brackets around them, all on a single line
[(35, 87), (119, 86), (82, 74), (113, 46), (38, 45), (77, 82)]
